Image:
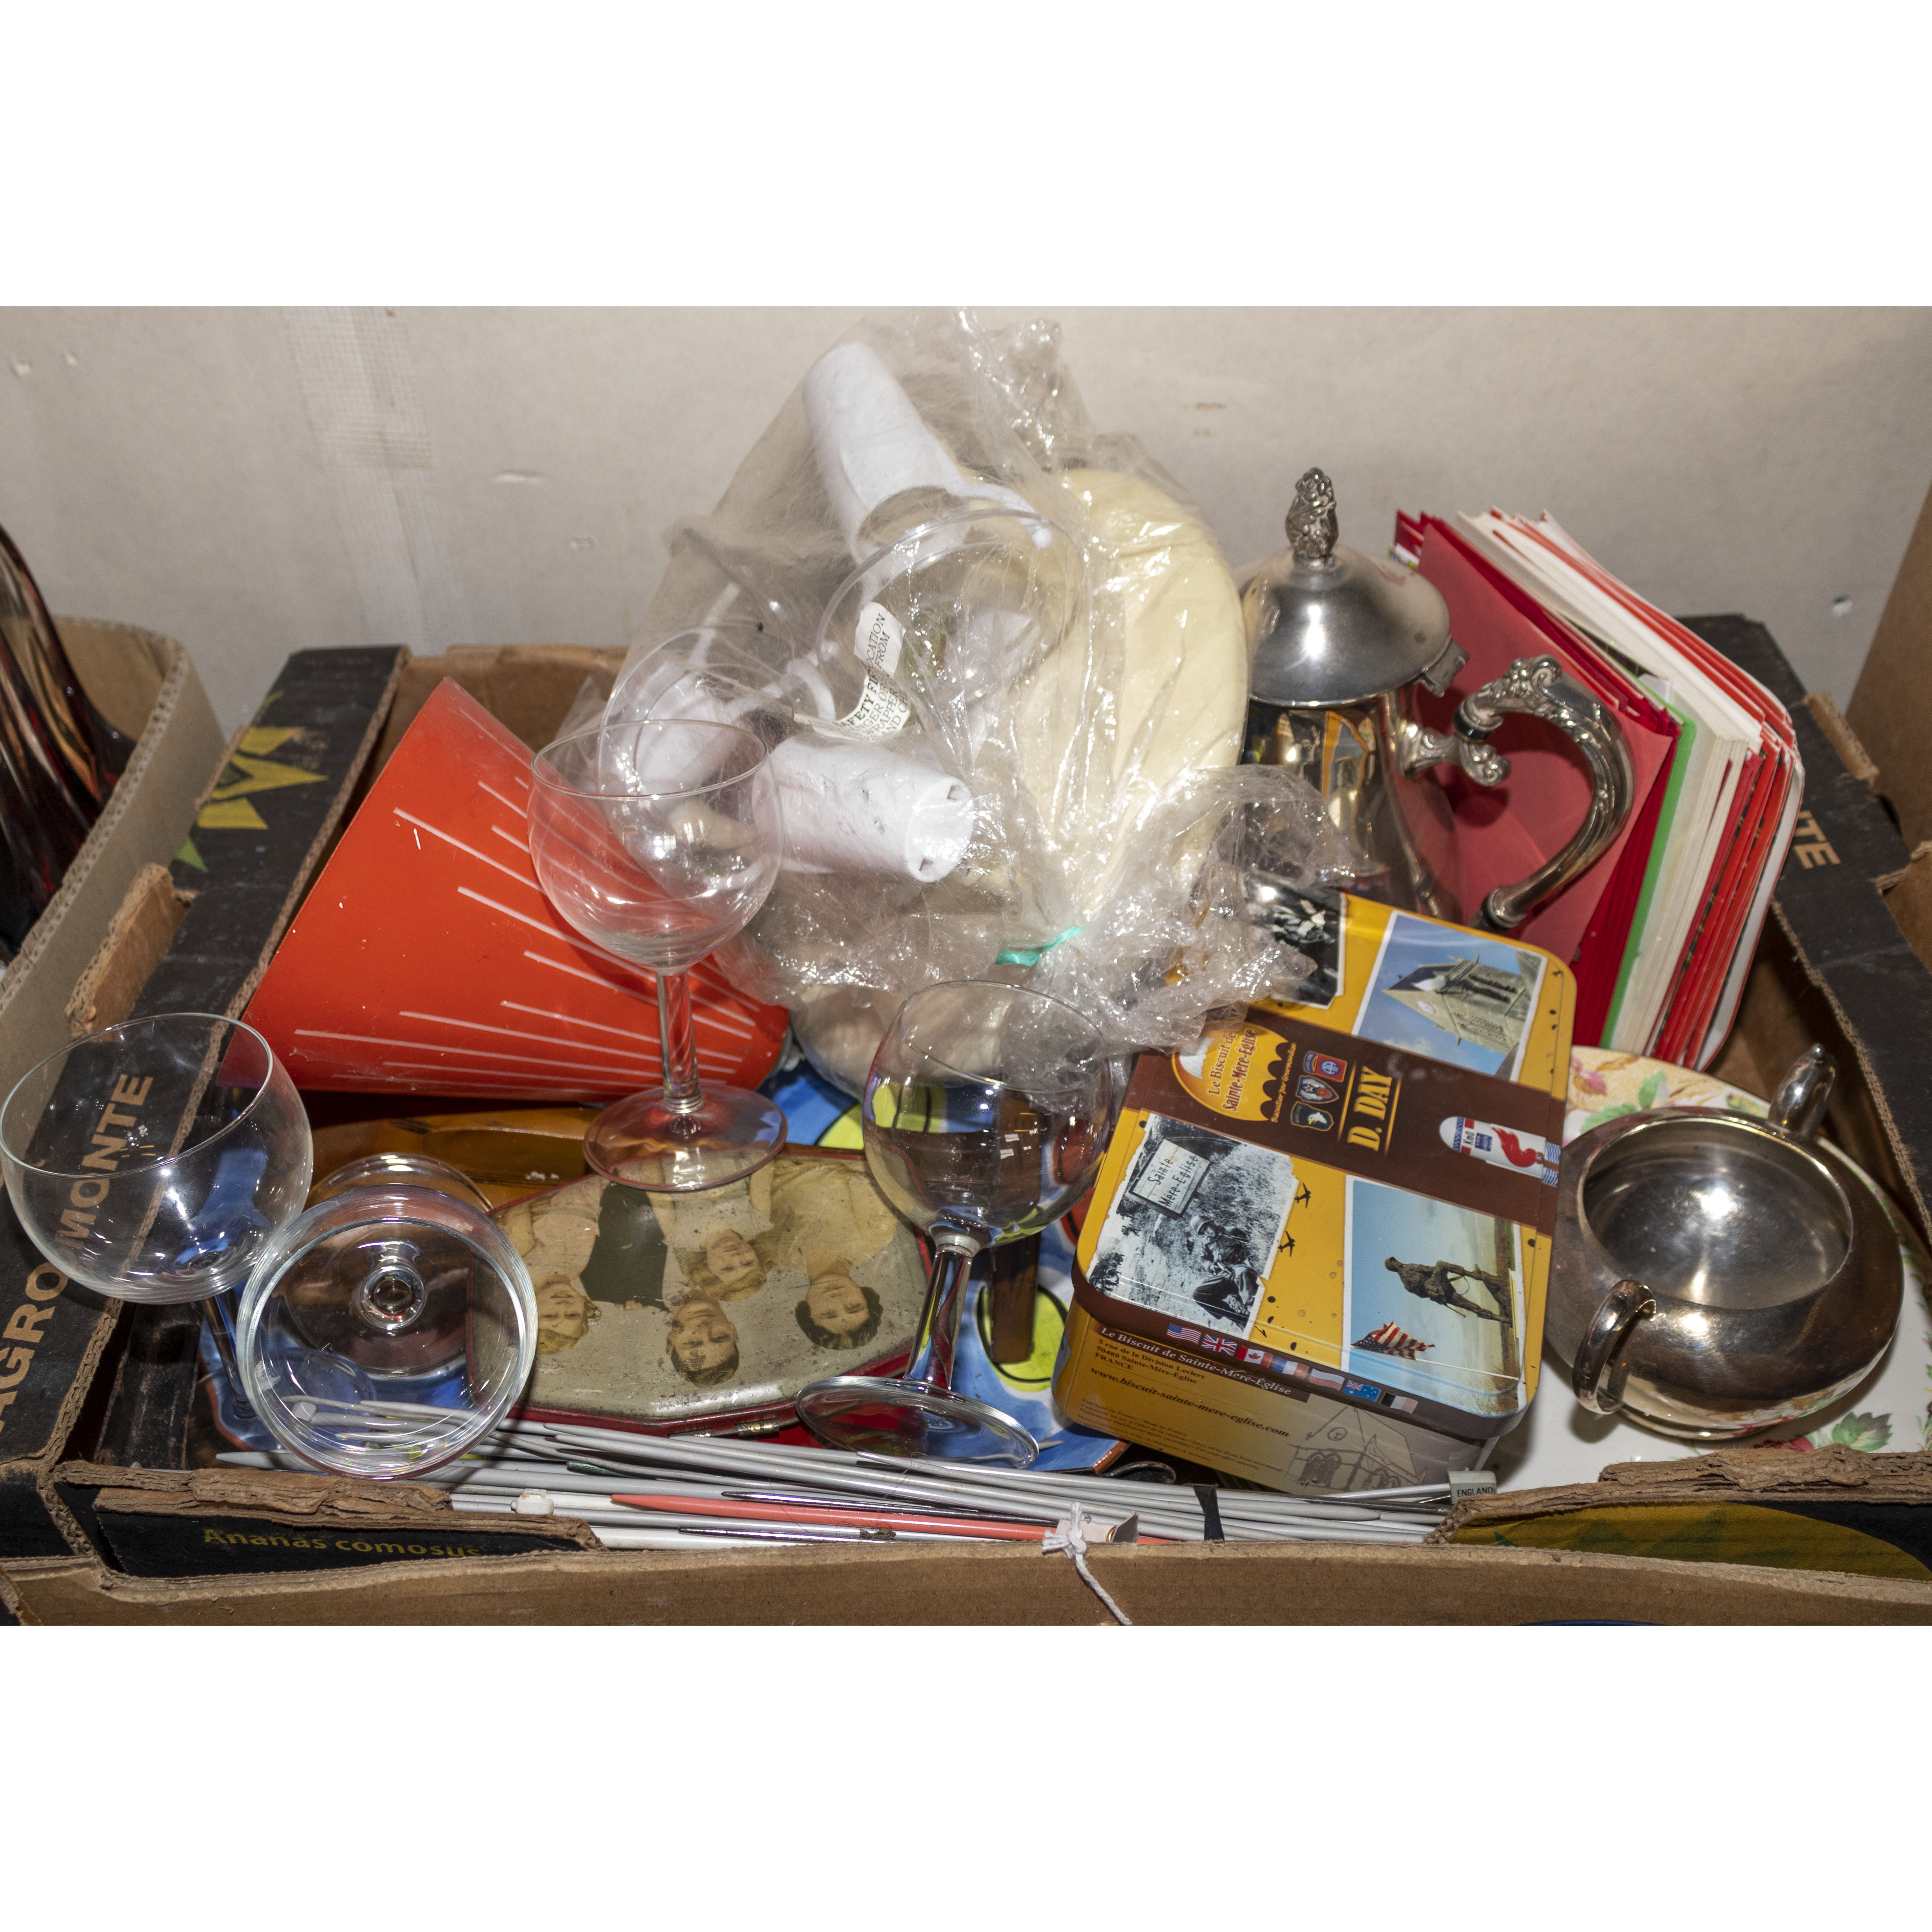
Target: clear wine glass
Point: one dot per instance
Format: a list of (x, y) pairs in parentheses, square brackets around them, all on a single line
[(389, 1326), (658, 842), (986, 1112), (380, 1332), (120, 1194)]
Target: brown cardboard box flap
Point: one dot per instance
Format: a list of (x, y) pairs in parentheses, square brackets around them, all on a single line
[(1823, 706), (1189, 1583), (1903, 1475), (149, 813), (1909, 894), (370, 1519), (530, 688), (1889, 709), (137, 937), (327, 1519), (283, 1491), (284, 1496), (1735, 1475)]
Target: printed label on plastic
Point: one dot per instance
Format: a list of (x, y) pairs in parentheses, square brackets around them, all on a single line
[(879, 640)]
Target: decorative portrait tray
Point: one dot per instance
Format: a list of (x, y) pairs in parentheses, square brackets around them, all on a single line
[(668, 1311)]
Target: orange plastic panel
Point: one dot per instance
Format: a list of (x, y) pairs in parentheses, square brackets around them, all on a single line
[(426, 959)]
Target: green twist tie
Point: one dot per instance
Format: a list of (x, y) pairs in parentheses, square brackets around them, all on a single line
[(1031, 956)]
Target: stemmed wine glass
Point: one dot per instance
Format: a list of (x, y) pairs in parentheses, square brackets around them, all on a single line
[(390, 1325), (379, 1333), (658, 842), (986, 1113)]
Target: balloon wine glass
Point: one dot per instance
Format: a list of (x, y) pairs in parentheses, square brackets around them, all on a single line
[(167, 1160), (985, 1114), (389, 1326), (152, 1161), (657, 842)]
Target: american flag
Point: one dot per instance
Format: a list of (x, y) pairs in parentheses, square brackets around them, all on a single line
[(1388, 1340)]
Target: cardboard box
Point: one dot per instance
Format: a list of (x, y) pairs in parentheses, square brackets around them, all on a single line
[(190, 1523), (1799, 990), (1835, 965), (1190, 1583), (1891, 707), (1836, 1509), (264, 815), (146, 686)]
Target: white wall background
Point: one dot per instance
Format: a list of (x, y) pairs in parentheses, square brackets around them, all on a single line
[(256, 481)]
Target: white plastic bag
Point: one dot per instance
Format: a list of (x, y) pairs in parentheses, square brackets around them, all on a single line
[(1001, 661)]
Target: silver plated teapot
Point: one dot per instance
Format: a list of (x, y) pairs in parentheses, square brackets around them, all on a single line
[(1339, 644)]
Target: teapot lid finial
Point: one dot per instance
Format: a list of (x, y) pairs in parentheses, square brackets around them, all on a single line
[(1328, 625), (1312, 525)]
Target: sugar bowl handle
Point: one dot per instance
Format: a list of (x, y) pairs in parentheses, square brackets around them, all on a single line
[(1799, 1105), (1597, 1375)]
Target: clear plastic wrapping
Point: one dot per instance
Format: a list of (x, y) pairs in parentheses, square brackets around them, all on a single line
[(1001, 662)]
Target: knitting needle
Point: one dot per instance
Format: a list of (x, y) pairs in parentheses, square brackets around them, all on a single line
[(597, 1516), (1168, 1523), (849, 1519), (896, 1480), (1053, 1505)]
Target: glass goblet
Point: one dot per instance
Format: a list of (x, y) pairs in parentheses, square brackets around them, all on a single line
[(119, 1194), (167, 1160), (390, 1326), (986, 1113), (658, 842)]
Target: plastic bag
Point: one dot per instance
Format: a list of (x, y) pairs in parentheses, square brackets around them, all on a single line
[(1001, 663)]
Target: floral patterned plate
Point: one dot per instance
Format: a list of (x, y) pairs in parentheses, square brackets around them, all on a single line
[(1560, 1441)]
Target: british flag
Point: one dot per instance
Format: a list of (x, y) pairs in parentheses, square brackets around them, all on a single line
[(1388, 1340)]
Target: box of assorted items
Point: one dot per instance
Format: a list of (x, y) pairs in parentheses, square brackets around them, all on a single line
[(640, 1112)]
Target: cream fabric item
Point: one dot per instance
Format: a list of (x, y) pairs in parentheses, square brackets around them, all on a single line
[(1177, 688)]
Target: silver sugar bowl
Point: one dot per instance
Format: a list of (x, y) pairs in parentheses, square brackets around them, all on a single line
[(1712, 1273)]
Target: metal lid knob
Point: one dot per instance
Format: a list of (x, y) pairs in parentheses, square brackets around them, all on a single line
[(1327, 625), (1312, 525)]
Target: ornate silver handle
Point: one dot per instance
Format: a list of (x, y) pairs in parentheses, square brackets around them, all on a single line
[(1540, 686), (1597, 1375)]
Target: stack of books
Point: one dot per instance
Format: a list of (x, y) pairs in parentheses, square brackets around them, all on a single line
[(1661, 929)]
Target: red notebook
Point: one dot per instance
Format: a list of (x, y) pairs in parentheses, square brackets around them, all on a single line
[(1694, 1020), (1684, 1015)]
